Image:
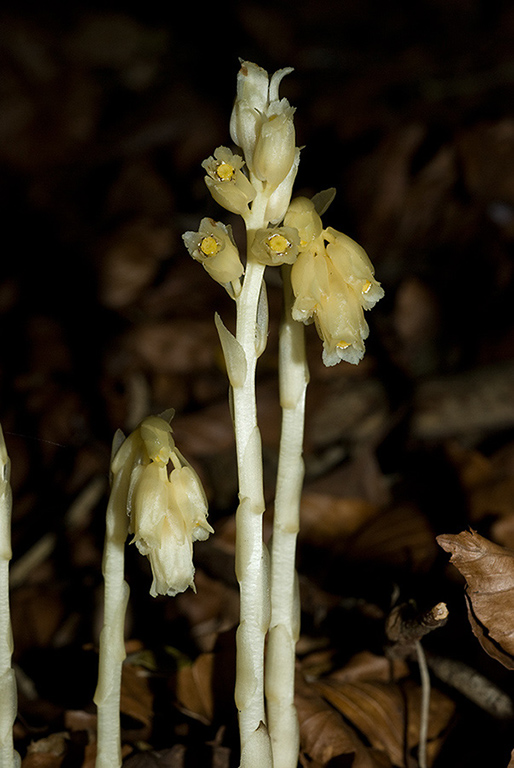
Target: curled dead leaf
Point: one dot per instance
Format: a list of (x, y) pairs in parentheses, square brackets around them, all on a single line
[(489, 572)]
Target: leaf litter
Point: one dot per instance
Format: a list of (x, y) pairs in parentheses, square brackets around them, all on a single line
[(101, 146)]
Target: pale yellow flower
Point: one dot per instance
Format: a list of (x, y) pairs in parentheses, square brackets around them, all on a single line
[(214, 247), (354, 266), (333, 282), (167, 509), (226, 181), (276, 245)]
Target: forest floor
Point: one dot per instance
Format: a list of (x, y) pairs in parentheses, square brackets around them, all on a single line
[(106, 115)]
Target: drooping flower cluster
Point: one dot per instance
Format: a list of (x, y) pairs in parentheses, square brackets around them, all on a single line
[(167, 509), (332, 276), (333, 282)]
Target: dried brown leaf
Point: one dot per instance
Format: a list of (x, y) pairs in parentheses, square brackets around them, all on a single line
[(368, 666), (324, 735), (387, 713), (194, 687), (487, 481), (136, 696), (327, 519), (489, 572), (46, 753), (400, 535)]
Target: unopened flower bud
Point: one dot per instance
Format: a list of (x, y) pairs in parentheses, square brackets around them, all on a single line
[(262, 124), (302, 215), (275, 148), (250, 104)]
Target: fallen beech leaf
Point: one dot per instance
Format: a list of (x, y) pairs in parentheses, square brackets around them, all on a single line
[(324, 735), (368, 666), (397, 536), (387, 714), (489, 572), (136, 696), (194, 687), (327, 519), (487, 481)]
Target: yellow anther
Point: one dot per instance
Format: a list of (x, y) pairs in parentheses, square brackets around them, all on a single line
[(343, 344), (225, 171), (366, 286), (278, 243), (209, 246)]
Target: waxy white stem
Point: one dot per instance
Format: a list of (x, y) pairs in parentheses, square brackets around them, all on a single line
[(112, 645), (8, 698), (285, 605), (252, 566)]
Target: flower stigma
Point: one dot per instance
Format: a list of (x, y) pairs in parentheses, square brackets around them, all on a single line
[(278, 243), (225, 171), (210, 246)]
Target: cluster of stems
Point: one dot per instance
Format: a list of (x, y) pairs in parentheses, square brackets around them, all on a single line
[(327, 279), (157, 496)]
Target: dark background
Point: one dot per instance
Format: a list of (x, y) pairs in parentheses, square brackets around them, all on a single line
[(106, 112)]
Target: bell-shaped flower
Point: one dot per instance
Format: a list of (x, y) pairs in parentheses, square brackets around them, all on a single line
[(226, 181), (167, 510), (214, 247), (276, 245), (340, 323), (354, 266), (262, 125), (333, 282)]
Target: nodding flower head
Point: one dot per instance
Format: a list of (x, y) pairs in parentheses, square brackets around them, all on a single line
[(165, 501), (333, 282)]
